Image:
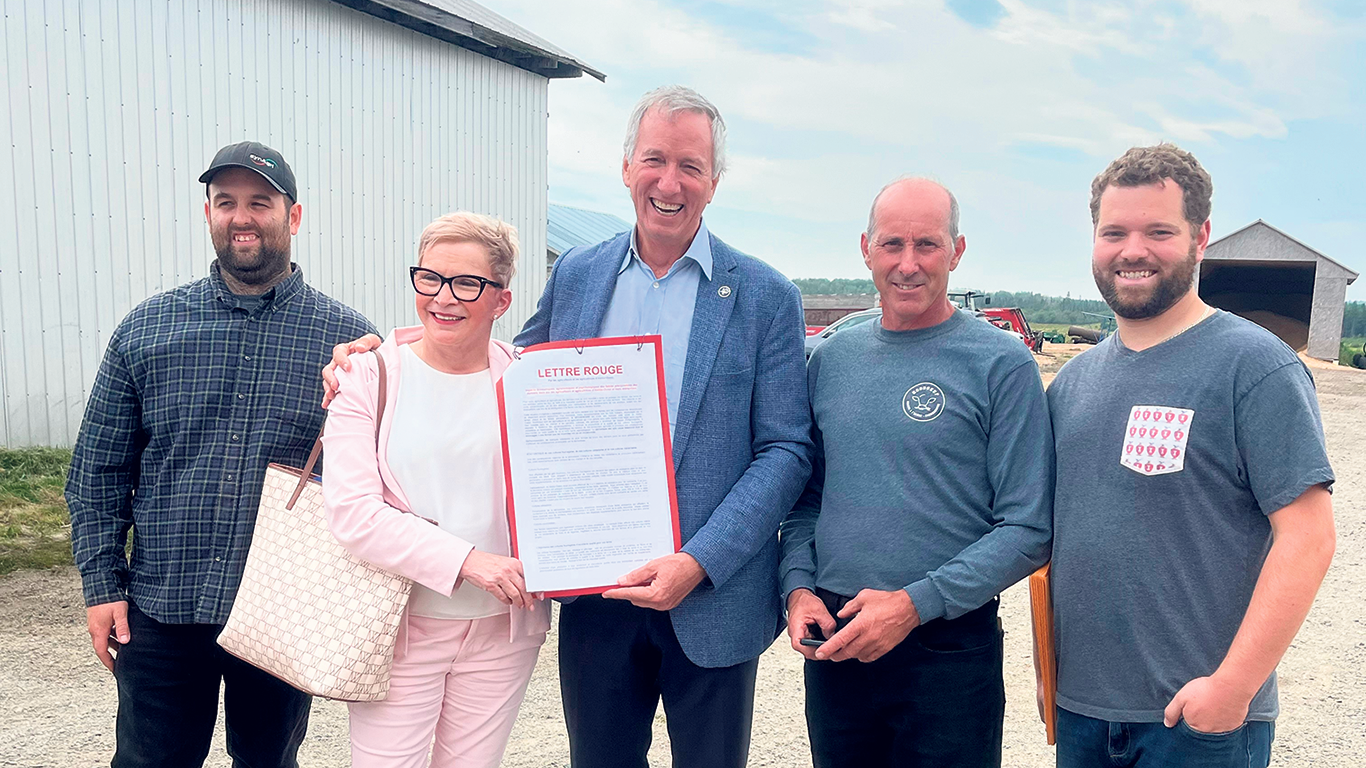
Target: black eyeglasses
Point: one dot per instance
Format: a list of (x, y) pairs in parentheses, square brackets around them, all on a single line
[(463, 287)]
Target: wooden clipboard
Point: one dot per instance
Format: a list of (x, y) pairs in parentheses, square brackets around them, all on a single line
[(1045, 649)]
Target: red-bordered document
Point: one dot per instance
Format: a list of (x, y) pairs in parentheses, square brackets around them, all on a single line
[(587, 461)]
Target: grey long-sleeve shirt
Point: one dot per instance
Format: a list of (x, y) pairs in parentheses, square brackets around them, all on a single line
[(933, 468)]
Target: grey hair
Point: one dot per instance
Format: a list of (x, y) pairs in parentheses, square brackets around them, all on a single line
[(953, 205), (672, 99)]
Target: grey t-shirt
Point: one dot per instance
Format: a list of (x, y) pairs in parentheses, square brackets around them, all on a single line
[(1155, 556), (250, 302), (933, 470)]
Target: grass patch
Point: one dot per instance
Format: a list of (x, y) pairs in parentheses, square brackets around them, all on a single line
[(35, 529), (1349, 348), (1056, 327)]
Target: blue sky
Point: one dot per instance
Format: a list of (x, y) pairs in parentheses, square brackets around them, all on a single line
[(1014, 105)]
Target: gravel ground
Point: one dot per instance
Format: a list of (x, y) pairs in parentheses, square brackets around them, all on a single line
[(57, 703)]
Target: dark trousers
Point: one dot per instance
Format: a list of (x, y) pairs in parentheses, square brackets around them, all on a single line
[(617, 661), (935, 700), (168, 678), (1085, 742)]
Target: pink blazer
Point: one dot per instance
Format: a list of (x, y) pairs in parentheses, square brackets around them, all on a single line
[(366, 509)]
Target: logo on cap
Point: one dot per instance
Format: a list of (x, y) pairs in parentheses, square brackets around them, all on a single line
[(263, 161)]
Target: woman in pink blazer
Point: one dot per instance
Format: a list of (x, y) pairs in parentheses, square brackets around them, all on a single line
[(426, 501)]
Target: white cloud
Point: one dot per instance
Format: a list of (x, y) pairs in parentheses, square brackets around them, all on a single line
[(1286, 46), (862, 15), (1088, 28), (878, 88), (918, 75)]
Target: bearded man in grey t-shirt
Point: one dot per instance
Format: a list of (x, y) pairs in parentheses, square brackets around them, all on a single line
[(1192, 521)]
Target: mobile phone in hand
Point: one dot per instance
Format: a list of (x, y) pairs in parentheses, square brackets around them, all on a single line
[(816, 639)]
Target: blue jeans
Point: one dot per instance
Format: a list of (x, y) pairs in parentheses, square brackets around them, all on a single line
[(936, 700), (168, 679), (1085, 742)]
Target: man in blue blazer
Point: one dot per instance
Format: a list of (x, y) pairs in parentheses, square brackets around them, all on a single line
[(687, 627)]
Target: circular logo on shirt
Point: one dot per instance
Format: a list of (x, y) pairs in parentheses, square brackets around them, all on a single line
[(923, 402)]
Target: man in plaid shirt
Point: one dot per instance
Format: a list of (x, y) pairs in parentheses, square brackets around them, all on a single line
[(202, 386)]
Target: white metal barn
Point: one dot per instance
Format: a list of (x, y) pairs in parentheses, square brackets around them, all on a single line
[(391, 112)]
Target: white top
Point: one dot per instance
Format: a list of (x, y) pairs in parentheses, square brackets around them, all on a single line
[(446, 451)]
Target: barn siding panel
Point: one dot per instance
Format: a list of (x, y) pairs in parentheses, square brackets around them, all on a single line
[(116, 106)]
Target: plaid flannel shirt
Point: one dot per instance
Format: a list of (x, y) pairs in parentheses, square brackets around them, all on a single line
[(197, 393)]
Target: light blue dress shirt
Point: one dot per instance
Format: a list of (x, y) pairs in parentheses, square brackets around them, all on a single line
[(643, 304)]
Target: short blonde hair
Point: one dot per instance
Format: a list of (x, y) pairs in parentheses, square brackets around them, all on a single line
[(497, 237)]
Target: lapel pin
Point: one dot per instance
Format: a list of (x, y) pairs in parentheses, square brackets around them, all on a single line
[(723, 291)]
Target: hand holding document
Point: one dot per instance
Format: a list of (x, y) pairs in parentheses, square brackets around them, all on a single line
[(589, 469)]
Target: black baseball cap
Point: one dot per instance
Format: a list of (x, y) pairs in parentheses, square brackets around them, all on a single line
[(257, 157)]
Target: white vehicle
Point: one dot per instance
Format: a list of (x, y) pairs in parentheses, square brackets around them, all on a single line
[(848, 321)]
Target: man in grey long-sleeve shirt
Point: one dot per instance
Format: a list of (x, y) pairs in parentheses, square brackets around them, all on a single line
[(931, 492)]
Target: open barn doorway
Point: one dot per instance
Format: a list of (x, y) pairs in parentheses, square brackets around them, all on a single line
[(1278, 296)]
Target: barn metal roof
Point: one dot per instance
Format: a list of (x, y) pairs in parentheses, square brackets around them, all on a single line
[(567, 227), (1227, 248), (470, 25)]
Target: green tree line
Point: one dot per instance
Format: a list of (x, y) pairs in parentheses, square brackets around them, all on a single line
[(1045, 309), (820, 286), (1037, 307), (1052, 309), (1354, 319)]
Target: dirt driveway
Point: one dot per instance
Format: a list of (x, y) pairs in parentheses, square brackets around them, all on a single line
[(57, 703)]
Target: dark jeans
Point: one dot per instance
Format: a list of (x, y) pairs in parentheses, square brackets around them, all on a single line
[(168, 678), (1085, 742), (617, 661), (935, 700)]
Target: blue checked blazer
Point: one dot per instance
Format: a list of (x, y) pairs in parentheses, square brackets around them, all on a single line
[(742, 436)]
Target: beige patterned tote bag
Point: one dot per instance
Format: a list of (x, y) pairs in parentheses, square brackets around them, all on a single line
[(308, 611)]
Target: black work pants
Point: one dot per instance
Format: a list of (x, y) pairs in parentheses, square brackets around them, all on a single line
[(937, 699), (168, 677), (617, 661)]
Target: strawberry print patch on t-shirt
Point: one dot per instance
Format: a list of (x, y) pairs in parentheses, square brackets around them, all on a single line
[(1155, 439)]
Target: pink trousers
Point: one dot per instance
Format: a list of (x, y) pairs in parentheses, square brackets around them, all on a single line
[(458, 681)]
